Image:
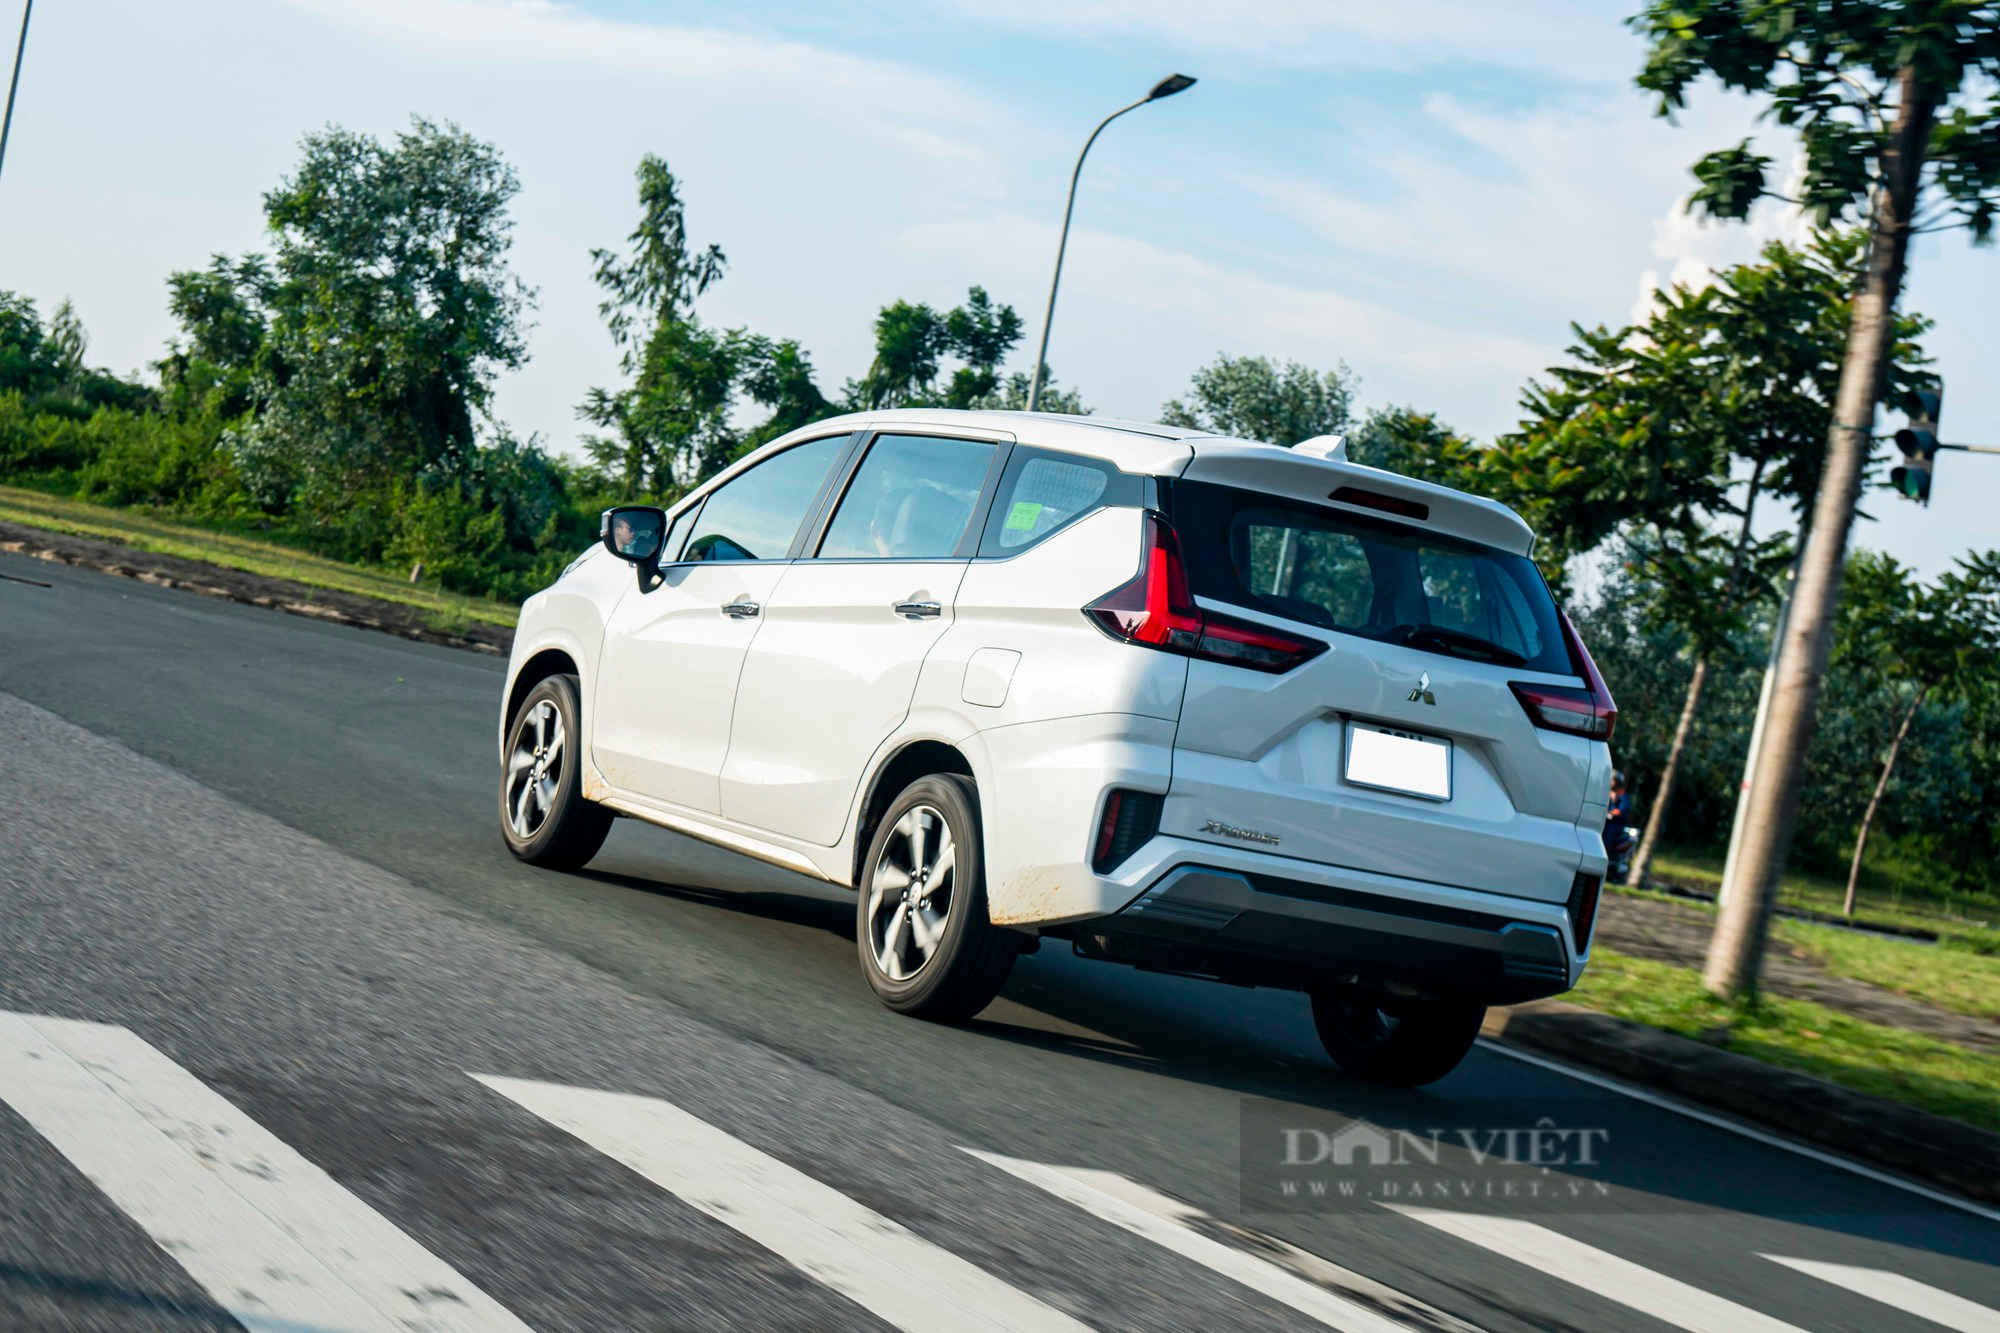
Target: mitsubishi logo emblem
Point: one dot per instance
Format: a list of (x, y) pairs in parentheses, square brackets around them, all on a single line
[(1422, 694)]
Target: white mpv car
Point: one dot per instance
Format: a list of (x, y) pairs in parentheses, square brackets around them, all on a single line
[(1201, 705)]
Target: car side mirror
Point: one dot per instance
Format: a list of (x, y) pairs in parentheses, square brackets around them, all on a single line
[(635, 533)]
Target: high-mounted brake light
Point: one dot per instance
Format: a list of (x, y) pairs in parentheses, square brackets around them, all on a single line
[(1388, 504), (1587, 712), (1155, 608)]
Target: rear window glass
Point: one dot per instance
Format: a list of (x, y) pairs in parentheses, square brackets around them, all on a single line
[(1368, 577), (1044, 492)]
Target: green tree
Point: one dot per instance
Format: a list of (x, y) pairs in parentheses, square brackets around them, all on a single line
[(1755, 363), (28, 361), (70, 344), (1893, 102), (779, 376), (1414, 444), (1011, 395), (1931, 642), (912, 341), (1252, 398), (910, 345), (669, 427), (661, 278), (982, 334), (392, 310), (224, 312), (1603, 442)]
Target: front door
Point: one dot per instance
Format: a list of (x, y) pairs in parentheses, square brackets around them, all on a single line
[(831, 674), (666, 684)]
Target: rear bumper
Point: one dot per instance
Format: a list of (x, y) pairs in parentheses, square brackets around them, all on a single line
[(1273, 930)]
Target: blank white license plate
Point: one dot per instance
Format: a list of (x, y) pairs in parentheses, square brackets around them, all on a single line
[(1398, 761)]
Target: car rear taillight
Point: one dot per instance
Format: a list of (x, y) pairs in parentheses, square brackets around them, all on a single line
[(1583, 894), (1589, 711), (1155, 608)]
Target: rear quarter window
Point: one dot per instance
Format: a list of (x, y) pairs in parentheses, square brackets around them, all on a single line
[(1044, 492)]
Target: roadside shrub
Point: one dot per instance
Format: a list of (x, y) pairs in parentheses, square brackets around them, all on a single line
[(149, 459)]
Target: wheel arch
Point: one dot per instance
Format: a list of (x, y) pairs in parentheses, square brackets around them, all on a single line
[(904, 765), (544, 663)]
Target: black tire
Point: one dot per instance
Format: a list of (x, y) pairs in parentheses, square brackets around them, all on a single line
[(971, 956), (1404, 1044), (547, 822)]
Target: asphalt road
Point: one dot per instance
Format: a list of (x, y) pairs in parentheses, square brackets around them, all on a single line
[(265, 849)]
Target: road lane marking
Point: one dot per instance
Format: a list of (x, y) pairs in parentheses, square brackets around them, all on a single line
[(272, 1238), (1180, 1227), (873, 1261), (1763, 1136), (1666, 1299), (1904, 1293)]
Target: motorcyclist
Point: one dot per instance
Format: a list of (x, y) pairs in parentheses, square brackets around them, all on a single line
[(1618, 834)]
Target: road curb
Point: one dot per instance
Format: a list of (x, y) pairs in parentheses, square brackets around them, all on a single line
[(1948, 1153), (247, 589)]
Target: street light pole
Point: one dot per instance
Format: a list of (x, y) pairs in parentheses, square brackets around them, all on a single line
[(13, 84), (1167, 87)]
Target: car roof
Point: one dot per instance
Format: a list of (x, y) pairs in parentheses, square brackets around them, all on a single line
[(1173, 451)]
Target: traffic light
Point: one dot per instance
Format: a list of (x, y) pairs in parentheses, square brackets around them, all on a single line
[(1919, 443)]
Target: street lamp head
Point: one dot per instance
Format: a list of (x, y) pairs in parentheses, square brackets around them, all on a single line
[(1167, 87)]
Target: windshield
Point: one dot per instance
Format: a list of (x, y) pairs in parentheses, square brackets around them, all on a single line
[(1374, 578)]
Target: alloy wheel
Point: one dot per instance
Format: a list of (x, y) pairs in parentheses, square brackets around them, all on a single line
[(534, 770), (910, 893)]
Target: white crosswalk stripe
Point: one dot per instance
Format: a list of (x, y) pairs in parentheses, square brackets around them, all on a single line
[(1904, 1293), (281, 1246), (271, 1237), (1165, 1221), (872, 1260), (1666, 1299)]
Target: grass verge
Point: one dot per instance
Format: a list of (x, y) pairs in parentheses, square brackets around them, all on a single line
[(1820, 894), (1867, 1057), (143, 532), (1961, 974), (1962, 980)]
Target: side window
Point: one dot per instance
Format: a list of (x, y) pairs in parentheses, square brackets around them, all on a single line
[(1044, 492), (670, 549), (756, 515), (911, 499)]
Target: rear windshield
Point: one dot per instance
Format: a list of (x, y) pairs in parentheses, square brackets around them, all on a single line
[(1374, 578)]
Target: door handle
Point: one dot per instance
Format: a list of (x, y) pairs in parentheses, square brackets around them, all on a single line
[(740, 610), (919, 610)]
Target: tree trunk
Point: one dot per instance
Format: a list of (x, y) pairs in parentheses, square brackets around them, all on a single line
[(1656, 818), (1875, 800), (1736, 952)]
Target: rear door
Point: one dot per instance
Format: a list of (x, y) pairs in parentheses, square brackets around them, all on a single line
[(831, 674), (1402, 750)]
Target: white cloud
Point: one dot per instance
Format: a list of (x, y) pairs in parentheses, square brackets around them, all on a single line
[(1181, 310), (1551, 217), (1527, 34), (1692, 249), (922, 111)]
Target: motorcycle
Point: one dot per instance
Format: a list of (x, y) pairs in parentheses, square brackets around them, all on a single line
[(1620, 841)]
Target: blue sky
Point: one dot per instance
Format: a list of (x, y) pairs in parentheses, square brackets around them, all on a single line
[(1428, 190)]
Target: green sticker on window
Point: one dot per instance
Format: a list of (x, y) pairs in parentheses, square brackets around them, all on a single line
[(1023, 516)]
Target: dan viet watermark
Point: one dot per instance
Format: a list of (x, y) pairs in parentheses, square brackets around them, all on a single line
[(1549, 1157)]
